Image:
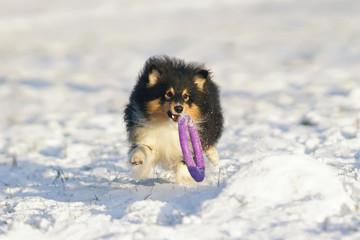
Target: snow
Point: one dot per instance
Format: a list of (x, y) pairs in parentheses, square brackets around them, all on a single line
[(290, 88)]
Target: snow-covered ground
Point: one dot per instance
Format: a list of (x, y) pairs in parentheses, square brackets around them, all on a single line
[(290, 153)]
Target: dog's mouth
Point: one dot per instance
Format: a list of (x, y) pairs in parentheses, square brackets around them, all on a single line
[(174, 117)]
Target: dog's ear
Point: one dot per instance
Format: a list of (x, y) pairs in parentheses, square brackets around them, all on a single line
[(200, 79), (154, 75)]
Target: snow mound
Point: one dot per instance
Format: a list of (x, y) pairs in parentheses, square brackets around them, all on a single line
[(292, 192), (285, 179)]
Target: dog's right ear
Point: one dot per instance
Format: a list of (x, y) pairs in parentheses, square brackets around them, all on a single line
[(200, 79), (154, 75)]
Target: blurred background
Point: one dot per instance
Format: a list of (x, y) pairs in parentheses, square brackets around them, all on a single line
[(60, 60)]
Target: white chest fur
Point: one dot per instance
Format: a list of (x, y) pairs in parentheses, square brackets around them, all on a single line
[(163, 140)]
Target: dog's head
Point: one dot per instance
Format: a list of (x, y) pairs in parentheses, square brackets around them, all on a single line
[(172, 89)]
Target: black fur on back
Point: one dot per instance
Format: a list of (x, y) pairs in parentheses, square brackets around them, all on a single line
[(175, 72)]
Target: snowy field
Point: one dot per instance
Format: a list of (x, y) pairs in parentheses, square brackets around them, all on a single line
[(289, 72)]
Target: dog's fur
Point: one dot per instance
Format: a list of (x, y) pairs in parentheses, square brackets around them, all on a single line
[(167, 87)]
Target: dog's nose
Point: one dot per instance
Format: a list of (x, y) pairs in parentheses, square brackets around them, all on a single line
[(178, 109)]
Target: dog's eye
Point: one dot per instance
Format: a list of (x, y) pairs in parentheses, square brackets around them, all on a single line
[(186, 97), (168, 95)]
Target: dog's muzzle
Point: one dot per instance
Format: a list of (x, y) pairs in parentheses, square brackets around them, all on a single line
[(178, 110)]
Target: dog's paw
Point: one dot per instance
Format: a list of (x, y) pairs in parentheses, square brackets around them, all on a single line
[(142, 159), (136, 162), (138, 158)]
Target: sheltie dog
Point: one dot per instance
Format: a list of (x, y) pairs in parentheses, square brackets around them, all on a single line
[(167, 87)]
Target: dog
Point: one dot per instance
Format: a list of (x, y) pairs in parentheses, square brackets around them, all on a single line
[(167, 87)]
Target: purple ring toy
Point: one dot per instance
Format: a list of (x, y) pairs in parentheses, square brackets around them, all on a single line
[(196, 169)]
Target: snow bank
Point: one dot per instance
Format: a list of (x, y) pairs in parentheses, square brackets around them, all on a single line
[(286, 179), (296, 190)]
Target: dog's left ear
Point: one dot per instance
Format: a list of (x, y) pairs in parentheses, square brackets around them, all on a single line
[(200, 78), (154, 75)]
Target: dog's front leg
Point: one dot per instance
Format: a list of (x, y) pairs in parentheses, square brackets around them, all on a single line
[(142, 159), (212, 155), (182, 174)]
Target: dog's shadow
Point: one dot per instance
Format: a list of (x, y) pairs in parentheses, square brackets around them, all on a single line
[(150, 182)]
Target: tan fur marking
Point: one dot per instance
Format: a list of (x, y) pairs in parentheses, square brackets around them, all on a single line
[(193, 111), (156, 111), (153, 78), (199, 82)]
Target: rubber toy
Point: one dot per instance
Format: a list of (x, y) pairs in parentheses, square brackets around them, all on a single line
[(187, 128)]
